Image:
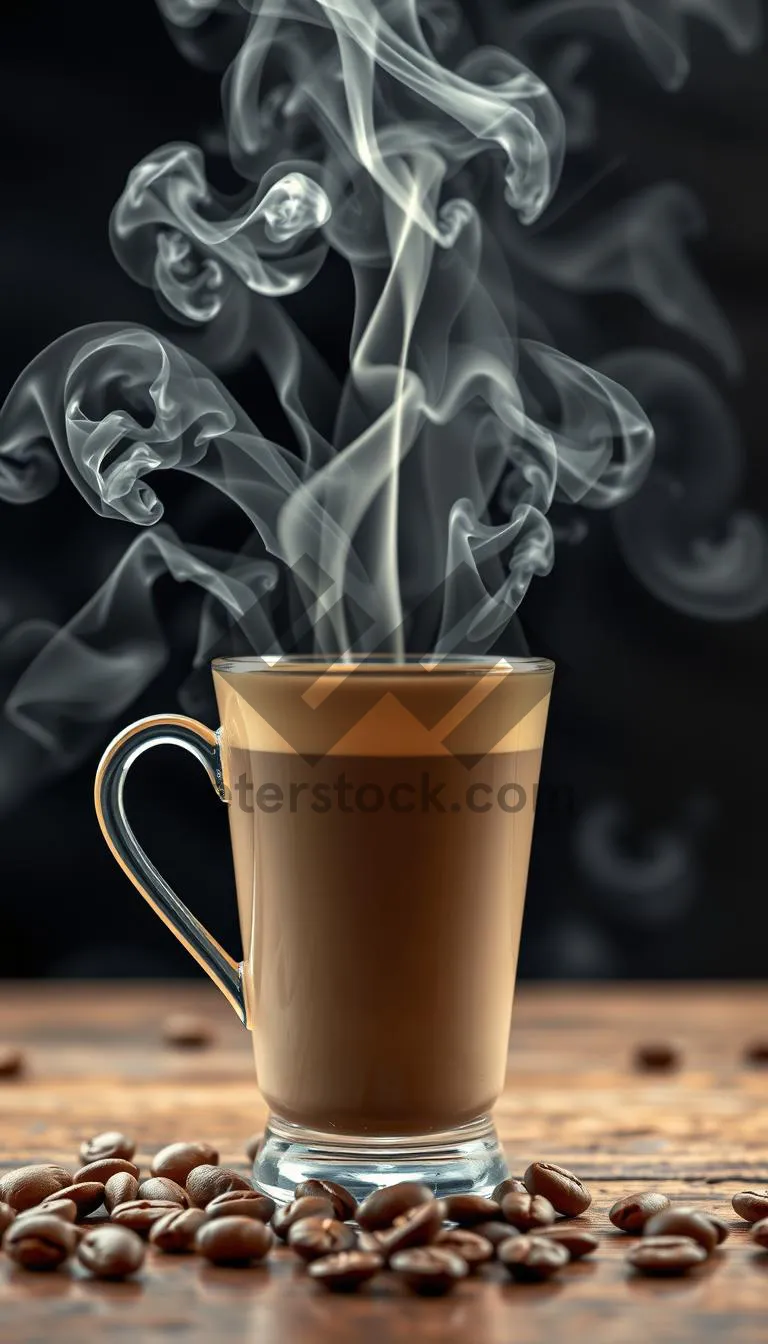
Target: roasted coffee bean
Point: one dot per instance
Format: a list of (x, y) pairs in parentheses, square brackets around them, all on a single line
[(565, 1192), (631, 1213), (104, 1169), (532, 1259), (656, 1056), (140, 1215), (344, 1272), (496, 1231), (253, 1146), (162, 1187), (666, 1255), (204, 1183), (111, 1252), (469, 1210), (473, 1249), (234, 1241), (382, 1207), (344, 1204), (88, 1196), (722, 1230), (120, 1189), (39, 1242), (751, 1205), (24, 1187), (756, 1052), (177, 1160), (682, 1222), (759, 1233), (11, 1062), (511, 1186), (526, 1212), (431, 1270), (55, 1207), (309, 1206), (416, 1227), (312, 1237), (187, 1031), (109, 1144), (176, 1232), (375, 1242), (7, 1215), (577, 1241), (241, 1204)]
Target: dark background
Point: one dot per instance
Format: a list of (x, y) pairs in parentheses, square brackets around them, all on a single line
[(648, 853)]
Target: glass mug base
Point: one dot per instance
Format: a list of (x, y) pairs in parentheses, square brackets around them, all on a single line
[(468, 1160)]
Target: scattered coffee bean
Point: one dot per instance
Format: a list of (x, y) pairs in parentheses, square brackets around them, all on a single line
[(577, 1241), (53, 1207), (759, 1233), (418, 1226), (510, 1186), (631, 1213), (253, 1146), (205, 1182), (682, 1222), (431, 1270), (756, 1052), (532, 1259), (187, 1032), (526, 1212), (565, 1192), (40, 1242), (11, 1062), (382, 1207), (177, 1160), (468, 1210), (751, 1205), (344, 1272), (140, 1215), (666, 1255), (312, 1237), (120, 1189), (344, 1204), (241, 1204), (234, 1241), (7, 1215), (309, 1206), (722, 1230), (473, 1249), (111, 1252), (175, 1232), (161, 1187), (373, 1242), (109, 1144), (88, 1196), (496, 1231), (104, 1168), (656, 1055), (26, 1186)]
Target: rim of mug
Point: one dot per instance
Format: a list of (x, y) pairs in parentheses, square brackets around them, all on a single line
[(383, 664)]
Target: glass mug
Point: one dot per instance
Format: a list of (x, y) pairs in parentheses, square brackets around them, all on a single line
[(381, 814)]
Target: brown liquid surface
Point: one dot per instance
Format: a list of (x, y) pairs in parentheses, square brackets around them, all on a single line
[(380, 946)]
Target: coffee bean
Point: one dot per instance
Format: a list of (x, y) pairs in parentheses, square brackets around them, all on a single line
[(253, 1146), (565, 1192), (382, 1207), (309, 1206), (468, 1210), (496, 1231), (241, 1204), (577, 1241), (104, 1168), (682, 1222), (109, 1144), (416, 1227), (7, 1215), (312, 1237), (631, 1213), (141, 1214), (756, 1052), (24, 1187), (120, 1189), (656, 1056), (175, 1232), (532, 1259), (511, 1186), (111, 1252), (39, 1242), (759, 1233), (186, 1031), (751, 1205), (527, 1211), (666, 1255), (375, 1242), (345, 1271), (234, 1241), (722, 1230), (88, 1196), (11, 1062), (473, 1249), (431, 1270), (205, 1182), (161, 1187), (344, 1204), (55, 1207), (177, 1160)]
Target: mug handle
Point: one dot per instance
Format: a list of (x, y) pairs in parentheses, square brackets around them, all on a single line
[(163, 730)]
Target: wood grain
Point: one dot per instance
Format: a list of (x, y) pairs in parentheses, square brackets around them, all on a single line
[(96, 1060)]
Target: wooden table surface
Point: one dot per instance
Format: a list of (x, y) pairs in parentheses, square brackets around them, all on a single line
[(96, 1061)]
